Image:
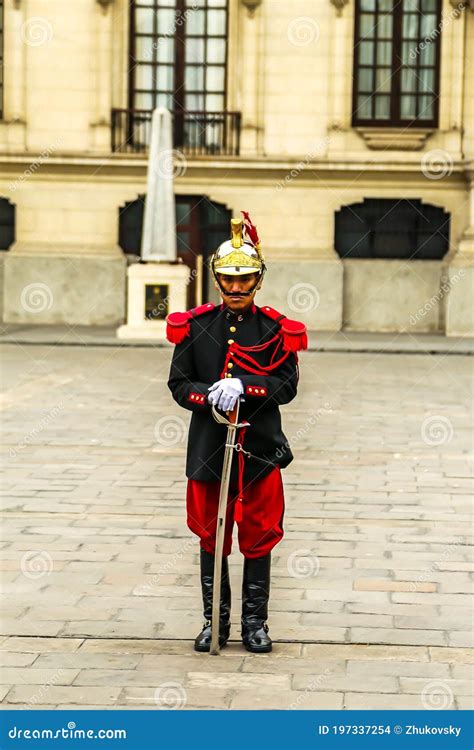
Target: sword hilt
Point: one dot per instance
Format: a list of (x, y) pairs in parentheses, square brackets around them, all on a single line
[(231, 421)]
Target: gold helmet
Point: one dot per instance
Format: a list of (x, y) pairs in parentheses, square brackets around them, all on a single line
[(241, 254)]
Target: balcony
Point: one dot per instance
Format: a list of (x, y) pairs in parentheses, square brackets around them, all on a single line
[(194, 133)]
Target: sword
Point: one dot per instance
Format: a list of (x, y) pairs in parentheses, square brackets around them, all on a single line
[(232, 427)]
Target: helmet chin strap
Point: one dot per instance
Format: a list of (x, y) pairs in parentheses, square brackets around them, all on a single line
[(248, 293)]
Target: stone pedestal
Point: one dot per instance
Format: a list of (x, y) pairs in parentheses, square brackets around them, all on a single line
[(153, 291)]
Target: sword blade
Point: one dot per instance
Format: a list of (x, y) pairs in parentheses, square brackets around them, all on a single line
[(220, 529)]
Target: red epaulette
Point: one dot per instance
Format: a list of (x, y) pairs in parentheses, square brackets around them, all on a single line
[(294, 332), (177, 323)]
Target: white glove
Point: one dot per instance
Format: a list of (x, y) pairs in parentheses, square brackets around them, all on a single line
[(224, 393)]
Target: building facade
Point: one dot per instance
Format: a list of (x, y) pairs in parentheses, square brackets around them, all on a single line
[(345, 128)]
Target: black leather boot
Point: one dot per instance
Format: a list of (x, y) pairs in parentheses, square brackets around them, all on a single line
[(255, 595), (203, 640)]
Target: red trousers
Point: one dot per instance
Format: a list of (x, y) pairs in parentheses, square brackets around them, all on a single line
[(259, 517)]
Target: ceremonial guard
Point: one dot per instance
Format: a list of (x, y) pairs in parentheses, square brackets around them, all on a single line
[(236, 350)]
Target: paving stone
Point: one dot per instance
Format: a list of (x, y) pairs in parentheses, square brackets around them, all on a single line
[(134, 646), (461, 638), (366, 652), (442, 622), (4, 690), (16, 659), (70, 695), (192, 661), (34, 676), (290, 665), (176, 696), (452, 655), (137, 677), (104, 629), (463, 672), (295, 700), (76, 613), (84, 660), (418, 684), (367, 584), (28, 626), (238, 681), (372, 682), (405, 636), (361, 669), (381, 702), (447, 600), (347, 620)]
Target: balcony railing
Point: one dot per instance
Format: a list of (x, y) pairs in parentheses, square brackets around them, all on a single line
[(194, 133)]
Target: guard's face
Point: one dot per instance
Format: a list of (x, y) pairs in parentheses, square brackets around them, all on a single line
[(234, 286)]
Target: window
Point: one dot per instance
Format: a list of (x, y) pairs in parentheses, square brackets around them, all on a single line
[(179, 55), (396, 62), (391, 228), (7, 224)]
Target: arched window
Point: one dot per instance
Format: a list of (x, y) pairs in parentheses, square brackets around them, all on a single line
[(396, 62), (7, 224), (391, 228)]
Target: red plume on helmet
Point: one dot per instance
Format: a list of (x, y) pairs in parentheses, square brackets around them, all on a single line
[(250, 229)]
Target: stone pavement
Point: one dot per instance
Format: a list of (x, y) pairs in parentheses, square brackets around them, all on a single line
[(370, 605)]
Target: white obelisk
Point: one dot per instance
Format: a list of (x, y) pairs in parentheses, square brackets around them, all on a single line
[(160, 266), (159, 224)]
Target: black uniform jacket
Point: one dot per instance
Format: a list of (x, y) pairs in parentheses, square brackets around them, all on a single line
[(199, 360)]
